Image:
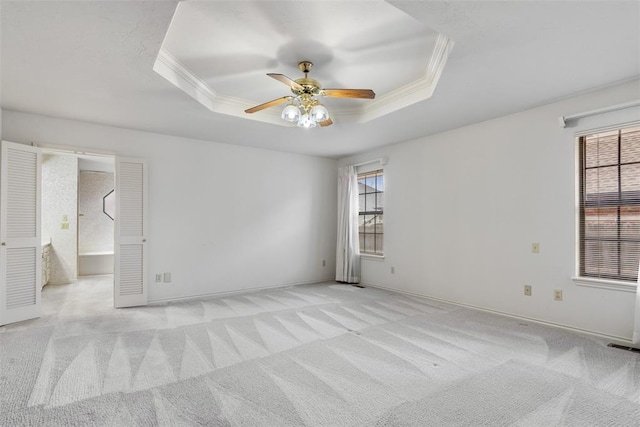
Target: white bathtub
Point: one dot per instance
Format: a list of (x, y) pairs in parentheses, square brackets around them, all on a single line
[(94, 263)]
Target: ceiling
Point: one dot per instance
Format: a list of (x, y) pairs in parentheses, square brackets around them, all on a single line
[(93, 61), (225, 70)]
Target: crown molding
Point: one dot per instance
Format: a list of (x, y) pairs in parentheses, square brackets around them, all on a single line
[(415, 91), (169, 67)]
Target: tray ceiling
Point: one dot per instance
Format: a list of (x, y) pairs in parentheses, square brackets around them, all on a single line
[(369, 44)]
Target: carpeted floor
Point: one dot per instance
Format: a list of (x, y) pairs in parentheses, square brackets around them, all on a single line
[(317, 355)]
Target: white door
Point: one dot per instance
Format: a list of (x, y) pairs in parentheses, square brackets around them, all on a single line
[(20, 244), (130, 251)]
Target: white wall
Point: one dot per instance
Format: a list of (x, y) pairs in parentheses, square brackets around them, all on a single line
[(221, 217), (462, 209)]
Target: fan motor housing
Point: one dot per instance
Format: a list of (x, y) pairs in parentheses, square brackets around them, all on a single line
[(310, 86)]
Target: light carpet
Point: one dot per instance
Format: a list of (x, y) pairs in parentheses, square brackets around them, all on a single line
[(317, 355)]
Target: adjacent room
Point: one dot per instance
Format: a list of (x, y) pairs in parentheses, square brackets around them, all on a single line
[(327, 213)]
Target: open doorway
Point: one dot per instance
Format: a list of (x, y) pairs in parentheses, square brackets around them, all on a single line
[(77, 220), (24, 245), (96, 214)]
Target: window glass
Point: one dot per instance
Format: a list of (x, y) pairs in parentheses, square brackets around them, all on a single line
[(610, 204), (371, 212)]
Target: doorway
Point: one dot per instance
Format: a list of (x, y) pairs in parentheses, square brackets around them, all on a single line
[(22, 245), (77, 223)]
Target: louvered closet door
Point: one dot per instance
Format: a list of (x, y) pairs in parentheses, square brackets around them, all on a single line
[(20, 245), (131, 288)]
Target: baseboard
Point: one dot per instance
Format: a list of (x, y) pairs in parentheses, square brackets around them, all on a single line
[(238, 292), (626, 341)]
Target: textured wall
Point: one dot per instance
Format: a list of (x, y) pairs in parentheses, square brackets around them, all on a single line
[(60, 198), (95, 229)]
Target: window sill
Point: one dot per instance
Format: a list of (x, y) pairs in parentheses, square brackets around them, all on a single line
[(372, 257), (614, 285)]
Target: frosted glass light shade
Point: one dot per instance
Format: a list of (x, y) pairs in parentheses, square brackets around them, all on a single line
[(291, 113), (306, 122), (319, 113)]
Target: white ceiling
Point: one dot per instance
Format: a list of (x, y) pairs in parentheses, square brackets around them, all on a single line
[(92, 61), (205, 55)]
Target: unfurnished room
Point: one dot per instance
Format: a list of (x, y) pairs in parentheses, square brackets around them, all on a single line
[(320, 213)]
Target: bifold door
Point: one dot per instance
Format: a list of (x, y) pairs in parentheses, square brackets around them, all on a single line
[(20, 244), (130, 255)]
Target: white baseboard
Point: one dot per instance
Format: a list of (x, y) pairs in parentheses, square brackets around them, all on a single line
[(237, 292), (617, 339)]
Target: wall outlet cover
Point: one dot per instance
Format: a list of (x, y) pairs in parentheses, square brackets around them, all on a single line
[(557, 295), (167, 277)]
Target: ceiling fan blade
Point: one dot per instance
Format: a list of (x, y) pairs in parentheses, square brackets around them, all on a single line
[(286, 80), (327, 122), (349, 93), (268, 104)]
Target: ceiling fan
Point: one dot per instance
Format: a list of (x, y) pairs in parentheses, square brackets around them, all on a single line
[(304, 109)]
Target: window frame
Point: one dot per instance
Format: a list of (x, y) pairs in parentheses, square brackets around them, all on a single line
[(606, 281), (377, 210)]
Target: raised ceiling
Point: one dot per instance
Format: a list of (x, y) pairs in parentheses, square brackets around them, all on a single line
[(93, 61), (223, 67)]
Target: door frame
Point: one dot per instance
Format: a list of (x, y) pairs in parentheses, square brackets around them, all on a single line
[(78, 151)]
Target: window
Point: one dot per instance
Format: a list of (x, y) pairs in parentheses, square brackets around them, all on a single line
[(609, 189), (371, 212)]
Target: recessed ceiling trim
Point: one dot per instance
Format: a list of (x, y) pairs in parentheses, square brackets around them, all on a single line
[(179, 75), (171, 69), (413, 92), (191, 39)]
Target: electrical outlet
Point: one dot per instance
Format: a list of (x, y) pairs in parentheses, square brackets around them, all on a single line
[(65, 226), (324, 262), (535, 248), (527, 290), (167, 277), (557, 294), (158, 278), (393, 270)]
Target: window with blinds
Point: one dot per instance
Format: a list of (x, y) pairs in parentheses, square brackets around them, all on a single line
[(610, 204), (371, 212)]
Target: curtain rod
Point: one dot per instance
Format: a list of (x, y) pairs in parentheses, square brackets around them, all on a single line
[(382, 160), (562, 120)]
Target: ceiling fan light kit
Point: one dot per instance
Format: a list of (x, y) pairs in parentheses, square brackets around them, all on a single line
[(304, 109)]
